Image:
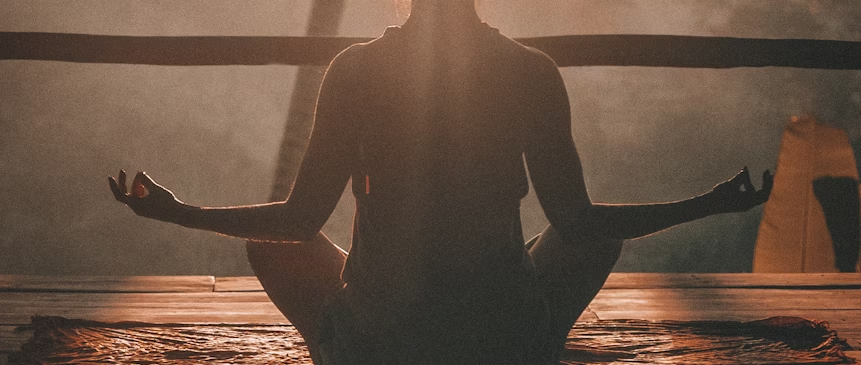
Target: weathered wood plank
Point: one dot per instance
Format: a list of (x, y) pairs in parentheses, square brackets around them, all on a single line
[(684, 297), (107, 284), (733, 280), (661, 280), (119, 299), (845, 322), (250, 283), (237, 283), (728, 299), (572, 50), (839, 307), (251, 307), (22, 305), (201, 316), (213, 313), (225, 307), (587, 316), (851, 335), (214, 304), (839, 318), (12, 337)]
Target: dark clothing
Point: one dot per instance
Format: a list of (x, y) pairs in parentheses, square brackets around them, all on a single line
[(507, 327)]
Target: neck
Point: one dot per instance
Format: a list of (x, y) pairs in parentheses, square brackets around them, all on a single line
[(442, 14)]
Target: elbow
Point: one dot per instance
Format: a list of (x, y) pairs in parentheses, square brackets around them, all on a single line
[(300, 231), (291, 223), (596, 225), (305, 235), (584, 223)]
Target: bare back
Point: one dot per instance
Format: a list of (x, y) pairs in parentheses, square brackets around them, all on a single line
[(436, 134)]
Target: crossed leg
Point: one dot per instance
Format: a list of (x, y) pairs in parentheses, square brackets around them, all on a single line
[(299, 278), (569, 275)]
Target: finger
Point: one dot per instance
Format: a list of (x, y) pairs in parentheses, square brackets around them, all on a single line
[(745, 180), (122, 198), (148, 182), (767, 184), (767, 180), (736, 180), (122, 182), (138, 188)]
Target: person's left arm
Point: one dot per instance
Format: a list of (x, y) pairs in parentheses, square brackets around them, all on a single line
[(627, 221), (557, 177)]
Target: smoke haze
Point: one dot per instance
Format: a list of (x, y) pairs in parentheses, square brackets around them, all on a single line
[(211, 134)]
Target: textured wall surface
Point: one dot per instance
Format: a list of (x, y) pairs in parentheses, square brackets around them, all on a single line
[(211, 134)]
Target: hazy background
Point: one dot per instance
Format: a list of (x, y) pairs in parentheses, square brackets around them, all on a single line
[(212, 133)]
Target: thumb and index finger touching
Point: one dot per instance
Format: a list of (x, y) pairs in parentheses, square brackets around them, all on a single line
[(141, 186), (743, 179), (742, 185), (760, 196)]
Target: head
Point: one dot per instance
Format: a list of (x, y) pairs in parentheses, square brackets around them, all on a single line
[(407, 7)]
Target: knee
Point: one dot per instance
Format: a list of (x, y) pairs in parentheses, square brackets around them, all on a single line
[(577, 242), (550, 249)]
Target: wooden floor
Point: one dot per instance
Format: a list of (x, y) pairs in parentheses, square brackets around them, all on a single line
[(835, 298)]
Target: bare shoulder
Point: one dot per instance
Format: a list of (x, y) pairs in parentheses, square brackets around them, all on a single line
[(526, 58), (361, 60), (543, 67), (365, 53), (517, 49), (348, 60), (541, 59)]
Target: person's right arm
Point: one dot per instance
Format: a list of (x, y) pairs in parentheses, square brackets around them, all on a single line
[(321, 179), (557, 176)]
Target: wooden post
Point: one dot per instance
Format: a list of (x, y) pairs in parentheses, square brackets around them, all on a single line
[(324, 21)]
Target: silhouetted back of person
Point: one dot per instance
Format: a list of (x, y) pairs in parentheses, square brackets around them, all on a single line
[(436, 123), (440, 143), (438, 138)]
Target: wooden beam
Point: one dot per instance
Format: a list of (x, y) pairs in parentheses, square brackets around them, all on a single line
[(698, 52), (172, 51), (325, 19), (574, 50)]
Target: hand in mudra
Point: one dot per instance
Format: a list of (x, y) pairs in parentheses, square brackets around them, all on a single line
[(738, 194), (146, 198)]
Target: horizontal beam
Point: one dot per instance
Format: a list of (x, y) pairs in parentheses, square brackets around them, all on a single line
[(172, 51), (574, 50), (698, 52)]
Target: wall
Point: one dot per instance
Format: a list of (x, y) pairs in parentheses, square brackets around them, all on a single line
[(212, 133)]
